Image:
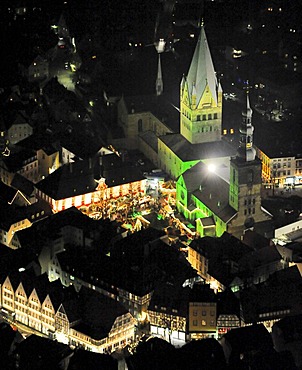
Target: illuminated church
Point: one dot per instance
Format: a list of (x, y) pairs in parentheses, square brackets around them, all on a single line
[(218, 186), (199, 139)]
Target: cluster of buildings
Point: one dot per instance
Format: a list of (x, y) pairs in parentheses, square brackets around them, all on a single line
[(88, 283)]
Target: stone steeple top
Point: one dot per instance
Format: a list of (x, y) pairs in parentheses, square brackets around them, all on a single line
[(201, 72)]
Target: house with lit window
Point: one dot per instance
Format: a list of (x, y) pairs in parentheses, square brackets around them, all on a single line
[(202, 313), (38, 70), (22, 161), (19, 128), (281, 155), (14, 219), (48, 153)]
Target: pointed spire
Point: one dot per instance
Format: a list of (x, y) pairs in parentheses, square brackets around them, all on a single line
[(159, 79), (201, 71), (246, 150), (62, 27), (219, 87)]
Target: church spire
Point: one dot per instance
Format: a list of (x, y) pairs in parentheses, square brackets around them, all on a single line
[(201, 72), (201, 97), (246, 150), (159, 79)]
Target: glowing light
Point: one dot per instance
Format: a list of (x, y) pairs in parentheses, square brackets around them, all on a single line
[(211, 167), (78, 201), (87, 198), (68, 202), (62, 338)]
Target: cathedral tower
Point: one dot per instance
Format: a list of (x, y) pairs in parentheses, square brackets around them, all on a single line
[(245, 177), (201, 97)]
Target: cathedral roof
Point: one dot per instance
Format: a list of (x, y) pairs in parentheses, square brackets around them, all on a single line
[(210, 189), (159, 106), (201, 70), (190, 152)]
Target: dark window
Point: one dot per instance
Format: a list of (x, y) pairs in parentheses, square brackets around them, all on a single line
[(140, 125)]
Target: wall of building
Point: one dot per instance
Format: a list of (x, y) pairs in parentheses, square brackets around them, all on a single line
[(42, 318), (170, 162), (18, 132), (202, 317)]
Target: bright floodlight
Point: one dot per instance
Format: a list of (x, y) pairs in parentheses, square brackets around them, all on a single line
[(211, 167)]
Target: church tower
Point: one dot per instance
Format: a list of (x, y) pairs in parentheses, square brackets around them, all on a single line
[(201, 97), (245, 177)]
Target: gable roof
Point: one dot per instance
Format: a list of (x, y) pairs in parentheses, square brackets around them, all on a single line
[(22, 184), (159, 106), (190, 152), (98, 313), (16, 160), (210, 189), (7, 193), (69, 180)]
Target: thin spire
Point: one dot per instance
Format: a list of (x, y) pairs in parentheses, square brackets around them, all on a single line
[(159, 79), (246, 150)]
